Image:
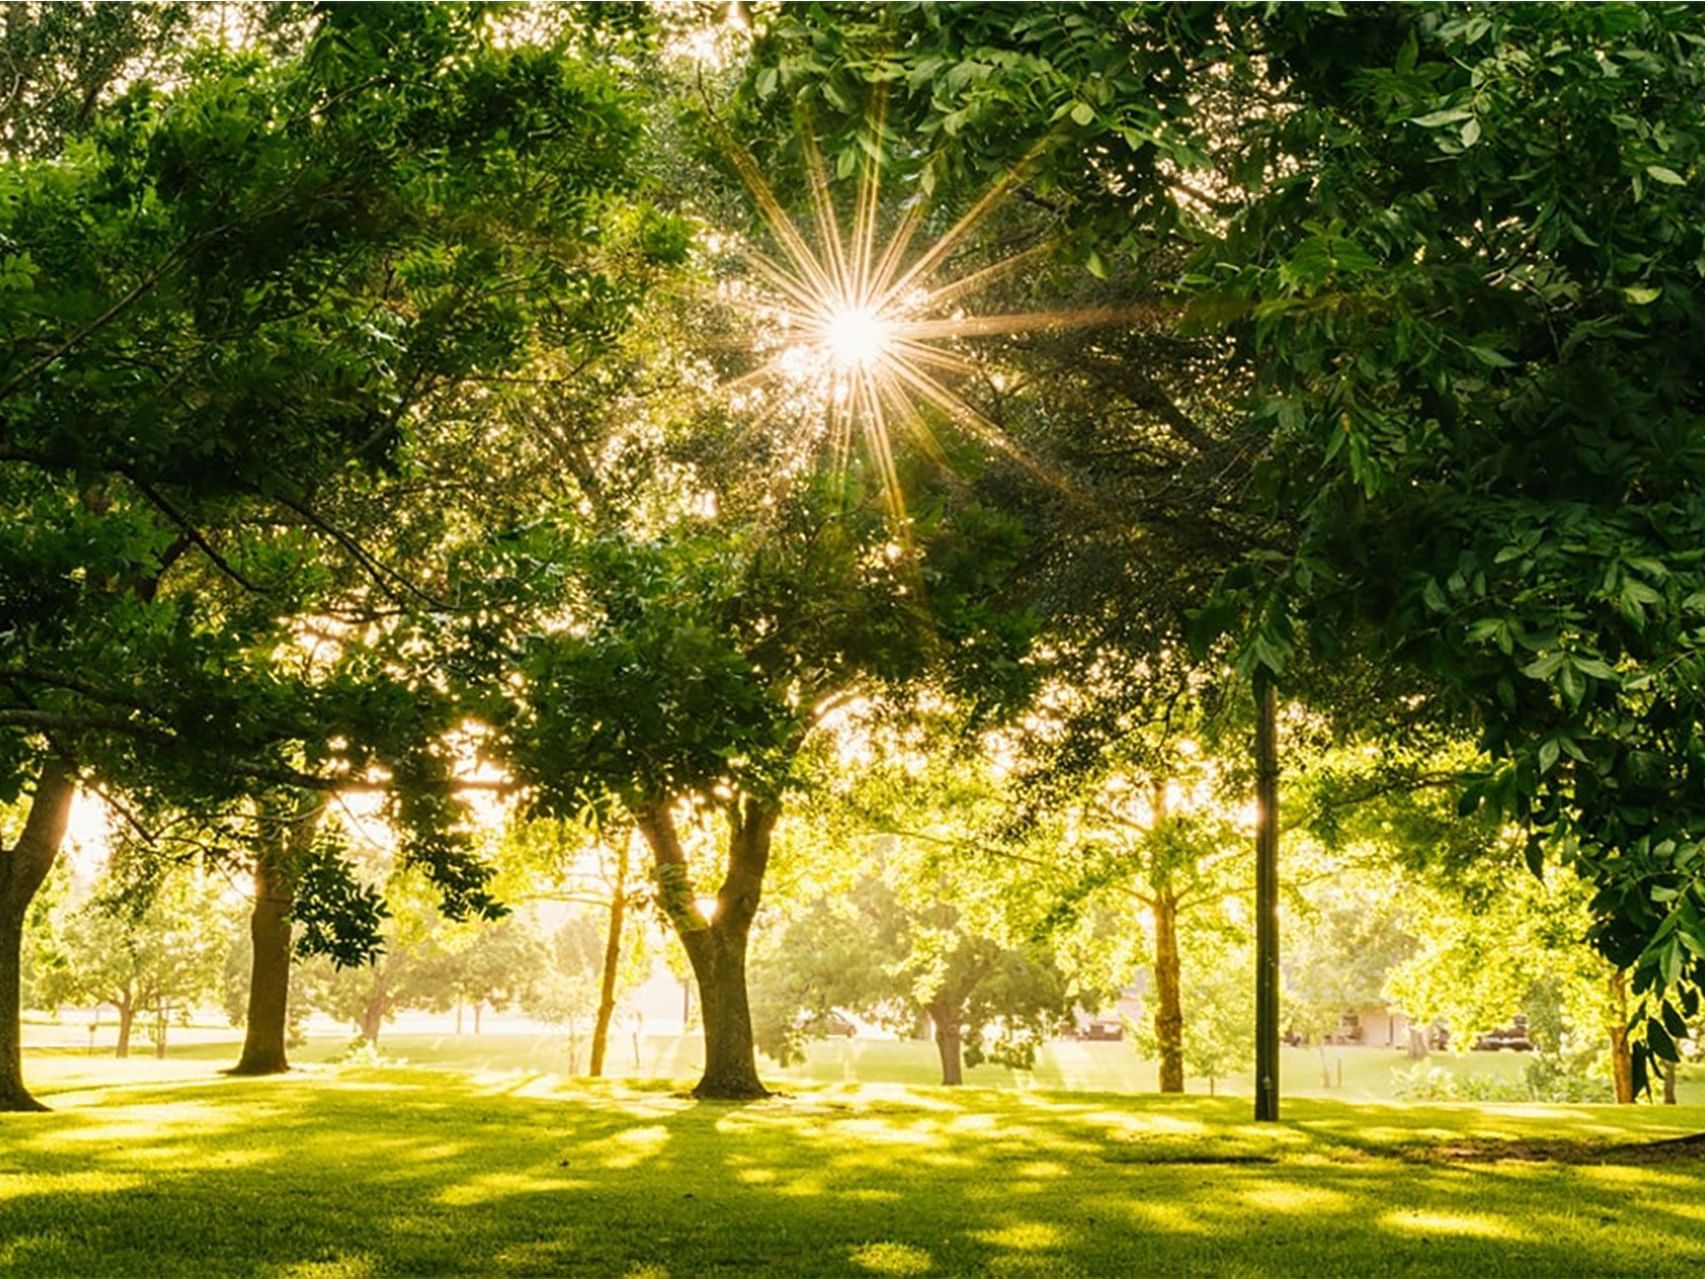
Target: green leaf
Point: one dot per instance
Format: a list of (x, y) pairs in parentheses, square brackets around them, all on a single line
[(1669, 177), (1450, 115), (1548, 752), (1471, 132), (1083, 114)]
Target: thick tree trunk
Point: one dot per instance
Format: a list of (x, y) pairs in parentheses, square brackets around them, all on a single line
[(949, 1044), (269, 977), (126, 1023), (1621, 1055), (612, 959), (717, 947), (1417, 1044), (1169, 1008), (23, 867)]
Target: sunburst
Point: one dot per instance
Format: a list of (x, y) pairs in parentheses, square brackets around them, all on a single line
[(865, 332)]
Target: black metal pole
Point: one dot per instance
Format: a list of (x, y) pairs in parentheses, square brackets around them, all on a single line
[(1266, 902)]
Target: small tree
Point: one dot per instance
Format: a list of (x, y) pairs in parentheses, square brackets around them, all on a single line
[(151, 947)]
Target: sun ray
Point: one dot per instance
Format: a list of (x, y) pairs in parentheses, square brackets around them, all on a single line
[(852, 329)]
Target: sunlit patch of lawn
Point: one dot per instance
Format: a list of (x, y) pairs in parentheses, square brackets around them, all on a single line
[(373, 1172)]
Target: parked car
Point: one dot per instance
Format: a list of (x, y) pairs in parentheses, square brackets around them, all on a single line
[(835, 1026), (1513, 1037), (1101, 1028)]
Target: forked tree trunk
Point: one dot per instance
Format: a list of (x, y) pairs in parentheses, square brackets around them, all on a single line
[(265, 1031), (23, 867), (126, 1023), (1169, 1008), (1621, 1055), (949, 1043), (717, 947), (612, 959)]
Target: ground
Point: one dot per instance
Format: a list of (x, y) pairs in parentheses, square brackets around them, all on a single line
[(168, 1167)]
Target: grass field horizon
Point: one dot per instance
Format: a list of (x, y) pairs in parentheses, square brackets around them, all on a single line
[(1359, 1073), (170, 1167)]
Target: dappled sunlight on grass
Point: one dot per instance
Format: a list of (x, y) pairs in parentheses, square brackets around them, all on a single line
[(891, 1259), (493, 1186), (1452, 1223), (385, 1170)]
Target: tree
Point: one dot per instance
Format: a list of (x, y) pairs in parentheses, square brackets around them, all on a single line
[(1452, 264), (149, 944), (241, 293), (699, 663), (567, 989), (897, 963)]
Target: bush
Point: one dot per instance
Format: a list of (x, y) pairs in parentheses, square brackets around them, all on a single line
[(1550, 1077)]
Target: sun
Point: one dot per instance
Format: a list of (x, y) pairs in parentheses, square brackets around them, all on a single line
[(864, 331), (857, 337)]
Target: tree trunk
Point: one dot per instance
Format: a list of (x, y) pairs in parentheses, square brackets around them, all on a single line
[(373, 1011), (1669, 1083), (23, 867), (717, 947), (126, 1022), (949, 1044), (458, 1018), (479, 1007), (160, 1021), (612, 958), (269, 975), (1169, 1009), (1325, 1066), (1417, 1044), (1621, 1055)]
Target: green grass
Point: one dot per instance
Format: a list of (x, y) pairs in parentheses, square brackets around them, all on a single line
[(165, 1167)]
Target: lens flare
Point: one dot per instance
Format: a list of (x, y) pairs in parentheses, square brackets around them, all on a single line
[(865, 319)]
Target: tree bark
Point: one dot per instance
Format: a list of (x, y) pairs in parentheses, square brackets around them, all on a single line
[(373, 1011), (612, 958), (949, 1044), (23, 867), (1417, 1044), (267, 1026), (1669, 1083), (1169, 1008), (160, 1020), (1621, 1055), (126, 1023), (479, 1007), (717, 947)]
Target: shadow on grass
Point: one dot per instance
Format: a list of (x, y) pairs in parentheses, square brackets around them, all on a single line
[(383, 1171)]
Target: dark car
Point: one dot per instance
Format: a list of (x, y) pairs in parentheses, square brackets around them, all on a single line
[(1101, 1028), (1513, 1037), (835, 1026)]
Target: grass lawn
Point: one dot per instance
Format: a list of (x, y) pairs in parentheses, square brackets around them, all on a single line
[(165, 1167)]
